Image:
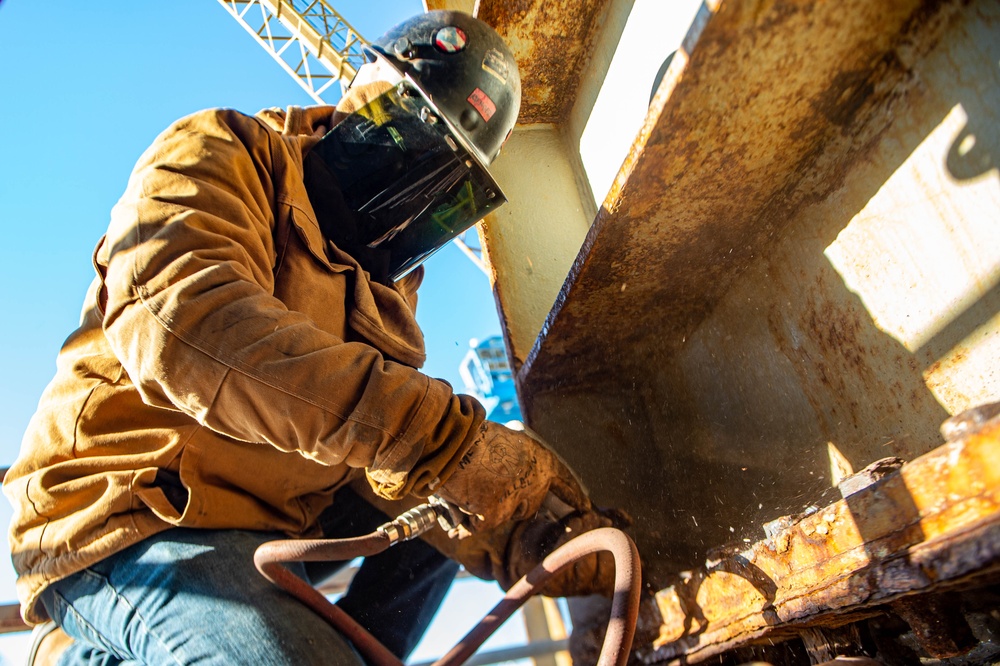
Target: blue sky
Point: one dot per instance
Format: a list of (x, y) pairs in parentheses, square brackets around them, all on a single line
[(85, 87)]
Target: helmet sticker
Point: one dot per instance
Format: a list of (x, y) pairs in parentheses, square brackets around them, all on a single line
[(483, 104), (495, 64), (450, 39)]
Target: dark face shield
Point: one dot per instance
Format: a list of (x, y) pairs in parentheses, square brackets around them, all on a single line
[(409, 182)]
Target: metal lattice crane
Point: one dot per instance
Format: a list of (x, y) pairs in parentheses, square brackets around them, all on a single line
[(308, 38), (316, 45)]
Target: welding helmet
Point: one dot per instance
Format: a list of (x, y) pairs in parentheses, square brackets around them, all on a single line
[(408, 170)]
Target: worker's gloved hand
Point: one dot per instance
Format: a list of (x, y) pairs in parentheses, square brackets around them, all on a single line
[(532, 540), (508, 552), (505, 476)]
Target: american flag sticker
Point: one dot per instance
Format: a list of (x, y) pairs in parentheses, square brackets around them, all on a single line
[(483, 104), (450, 39), (495, 63)]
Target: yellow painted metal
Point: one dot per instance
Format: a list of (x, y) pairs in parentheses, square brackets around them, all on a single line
[(563, 50), (543, 623), (309, 39), (531, 242), (553, 42)]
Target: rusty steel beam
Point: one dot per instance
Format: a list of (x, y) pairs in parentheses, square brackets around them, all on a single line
[(764, 110), (729, 322), (930, 527), (553, 42)]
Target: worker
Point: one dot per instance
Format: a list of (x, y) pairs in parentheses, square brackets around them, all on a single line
[(246, 369)]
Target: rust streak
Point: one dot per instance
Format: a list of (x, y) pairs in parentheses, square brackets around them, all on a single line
[(552, 42)]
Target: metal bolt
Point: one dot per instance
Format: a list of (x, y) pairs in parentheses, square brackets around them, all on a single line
[(403, 48)]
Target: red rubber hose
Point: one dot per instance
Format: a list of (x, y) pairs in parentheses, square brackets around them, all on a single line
[(624, 607), (268, 557)]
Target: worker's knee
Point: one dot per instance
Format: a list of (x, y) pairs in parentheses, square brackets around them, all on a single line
[(191, 596)]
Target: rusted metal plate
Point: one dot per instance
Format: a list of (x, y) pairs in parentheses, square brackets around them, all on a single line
[(937, 623), (777, 100), (928, 527), (707, 351), (552, 41)]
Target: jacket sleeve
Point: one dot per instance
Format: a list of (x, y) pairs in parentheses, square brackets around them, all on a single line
[(191, 316)]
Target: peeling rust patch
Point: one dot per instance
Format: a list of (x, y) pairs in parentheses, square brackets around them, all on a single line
[(845, 97), (930, 526), (552, 42)]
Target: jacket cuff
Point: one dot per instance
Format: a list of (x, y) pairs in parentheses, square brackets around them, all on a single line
[(421, 467)]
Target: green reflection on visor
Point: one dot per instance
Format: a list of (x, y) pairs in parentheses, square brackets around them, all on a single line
[(404, 172)]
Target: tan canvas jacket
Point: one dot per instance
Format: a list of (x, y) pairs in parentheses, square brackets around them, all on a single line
[(232, 368)]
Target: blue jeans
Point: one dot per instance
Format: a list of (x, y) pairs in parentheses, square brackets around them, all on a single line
[(189, 596)]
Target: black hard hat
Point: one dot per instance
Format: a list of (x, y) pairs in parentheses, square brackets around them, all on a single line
[(407, 172), (465, 69)]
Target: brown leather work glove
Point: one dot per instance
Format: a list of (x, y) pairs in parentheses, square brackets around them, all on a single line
[(505, 476), (508, 552)]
